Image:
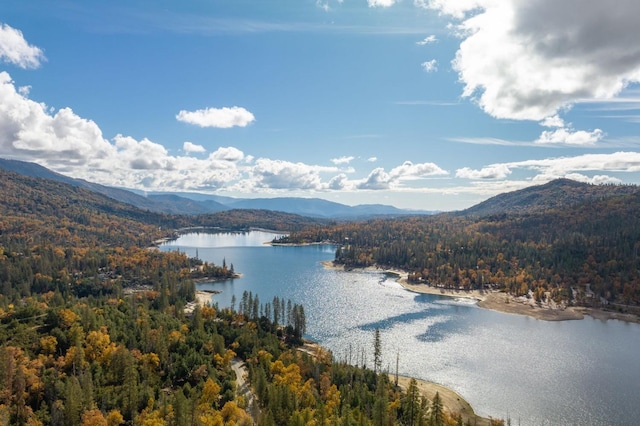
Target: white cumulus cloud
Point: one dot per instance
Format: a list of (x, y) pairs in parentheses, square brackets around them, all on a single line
[(144, 154), (190, 147), (595, 180), (279, 174), (567, 136), (338, 182), (498, 171), (222, 118), (377, 179), (14, 49), (380, 179), (227, 154), (410, 171), (529, 59), (28, 130), (553, 121)]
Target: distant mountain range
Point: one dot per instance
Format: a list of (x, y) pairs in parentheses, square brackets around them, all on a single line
[(196, 204)]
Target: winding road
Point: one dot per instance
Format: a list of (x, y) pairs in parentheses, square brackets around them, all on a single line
[(243, 390)]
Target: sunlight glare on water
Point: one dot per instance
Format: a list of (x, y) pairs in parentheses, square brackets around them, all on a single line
[(583, 372)]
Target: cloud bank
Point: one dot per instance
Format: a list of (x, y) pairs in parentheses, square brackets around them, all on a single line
[(574, 168), (69, 144)]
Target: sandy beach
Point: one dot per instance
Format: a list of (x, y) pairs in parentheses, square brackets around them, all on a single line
[(451, 401), (202, 298)]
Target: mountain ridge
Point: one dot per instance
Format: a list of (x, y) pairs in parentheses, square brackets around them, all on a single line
[(558, 193), (197, 204)]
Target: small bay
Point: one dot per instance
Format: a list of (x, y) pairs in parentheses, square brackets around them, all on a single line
[(536, 372)]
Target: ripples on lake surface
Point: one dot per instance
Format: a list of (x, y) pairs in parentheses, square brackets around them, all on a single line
[(537, 372)]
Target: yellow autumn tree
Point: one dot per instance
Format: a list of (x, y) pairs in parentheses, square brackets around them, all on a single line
[(288, 375), (114, 418), (49, 344), (151, 416), (210, 394), (96, 342), (67, 317), (93, 418), (223, 362), (206, 412), (234, 415)]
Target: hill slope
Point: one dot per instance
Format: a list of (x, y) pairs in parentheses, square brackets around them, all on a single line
[(559, 193), (33, 208), (36, 208), (564, 241), (177, 205), (195, 204)]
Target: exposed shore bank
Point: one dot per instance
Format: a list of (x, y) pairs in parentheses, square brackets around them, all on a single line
[(505, 303), (452, 402), (203, 298)]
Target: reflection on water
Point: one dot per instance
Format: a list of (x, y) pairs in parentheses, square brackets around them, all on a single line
[(539, 373)]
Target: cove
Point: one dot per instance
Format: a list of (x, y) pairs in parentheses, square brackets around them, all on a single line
[(584, 372)]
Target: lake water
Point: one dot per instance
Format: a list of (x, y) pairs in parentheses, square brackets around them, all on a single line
[(536, 372)]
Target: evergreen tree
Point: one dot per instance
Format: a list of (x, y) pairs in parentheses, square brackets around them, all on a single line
[(380, 414), (411, 405), (437, 411), (377, 351)]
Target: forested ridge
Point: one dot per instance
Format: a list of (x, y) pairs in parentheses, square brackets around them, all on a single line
[(55, 236), (559, 193), (93, 329), (584, 253)]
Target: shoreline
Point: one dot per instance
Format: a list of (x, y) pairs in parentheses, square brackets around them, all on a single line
[(203, 297), (502, 302), (206, 280), (321, 243), (452, 402)]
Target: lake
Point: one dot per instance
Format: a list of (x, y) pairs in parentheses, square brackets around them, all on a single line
[(584, 372)]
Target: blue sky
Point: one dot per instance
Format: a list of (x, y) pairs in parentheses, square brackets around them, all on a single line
[(423, 104)]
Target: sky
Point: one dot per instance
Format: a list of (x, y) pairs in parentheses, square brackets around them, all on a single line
[(420, 104)]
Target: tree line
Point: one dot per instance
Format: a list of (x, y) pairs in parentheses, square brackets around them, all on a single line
[(584, 254)]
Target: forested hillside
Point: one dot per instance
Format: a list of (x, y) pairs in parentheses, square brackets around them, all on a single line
[(557, 194), (93, 329), (188, 203), (582, 252)]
